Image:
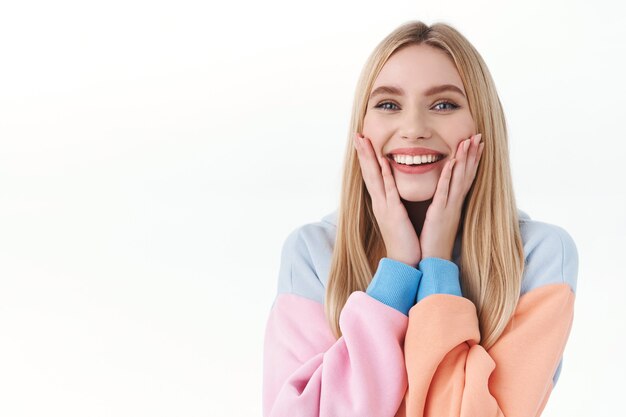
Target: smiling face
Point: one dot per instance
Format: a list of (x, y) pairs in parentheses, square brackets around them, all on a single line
[(414, 117)]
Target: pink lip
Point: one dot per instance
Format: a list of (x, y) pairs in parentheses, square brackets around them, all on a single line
[(418, 169), (415, 151)]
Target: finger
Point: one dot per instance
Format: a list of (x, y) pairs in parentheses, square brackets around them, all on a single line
[(443, 185), (458, 173), (391, 191), (472, 152), (467, 148), (462, 159), (370, 169), (480, 153), (474, 169)]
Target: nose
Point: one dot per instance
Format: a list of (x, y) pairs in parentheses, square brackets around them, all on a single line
[(414, 125)]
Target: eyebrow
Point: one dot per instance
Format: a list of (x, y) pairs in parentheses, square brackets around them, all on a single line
[(390, 89)]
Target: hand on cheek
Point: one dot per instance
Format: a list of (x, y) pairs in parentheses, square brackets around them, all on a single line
[(443, 215), (393, 221)]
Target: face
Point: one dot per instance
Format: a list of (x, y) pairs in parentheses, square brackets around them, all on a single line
[(415, 117)]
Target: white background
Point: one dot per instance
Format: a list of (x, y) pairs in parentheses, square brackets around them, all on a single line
[(154, 155)]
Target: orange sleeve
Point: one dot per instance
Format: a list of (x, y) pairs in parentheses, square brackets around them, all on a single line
[(451, 375)]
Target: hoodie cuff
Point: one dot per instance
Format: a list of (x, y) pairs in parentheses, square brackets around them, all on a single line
[(395, 284), (440, 276)]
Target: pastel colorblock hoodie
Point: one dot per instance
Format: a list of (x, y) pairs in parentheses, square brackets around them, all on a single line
[(409, 344)]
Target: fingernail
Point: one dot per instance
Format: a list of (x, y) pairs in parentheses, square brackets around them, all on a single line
[(477, 139), (466, 144)]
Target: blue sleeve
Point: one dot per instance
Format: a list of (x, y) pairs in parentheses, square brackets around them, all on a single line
[(395, 284), (440, 276)]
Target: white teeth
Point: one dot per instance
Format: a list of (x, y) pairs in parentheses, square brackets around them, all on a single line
[(416, 159)]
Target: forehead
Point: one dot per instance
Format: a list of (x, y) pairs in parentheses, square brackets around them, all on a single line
[(417, 67)]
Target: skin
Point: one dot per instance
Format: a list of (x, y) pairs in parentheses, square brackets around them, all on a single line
[(427, 204)]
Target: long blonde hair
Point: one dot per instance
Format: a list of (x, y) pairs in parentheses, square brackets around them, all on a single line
[(492, 256)]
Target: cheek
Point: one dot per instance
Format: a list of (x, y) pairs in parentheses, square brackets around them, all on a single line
[(374, 135), (369, 130), (375, 125), (455, 146), (465, 131), (465, 128)]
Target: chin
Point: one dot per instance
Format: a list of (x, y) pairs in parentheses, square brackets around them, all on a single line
[(415, 196)]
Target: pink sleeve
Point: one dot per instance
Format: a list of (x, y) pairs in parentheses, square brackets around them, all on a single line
[(307, 372)]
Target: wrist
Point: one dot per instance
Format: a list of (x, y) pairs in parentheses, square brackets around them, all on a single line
[(440, 255), (411, 262)]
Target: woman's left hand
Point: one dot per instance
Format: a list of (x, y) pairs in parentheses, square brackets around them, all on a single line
[(444, 213)]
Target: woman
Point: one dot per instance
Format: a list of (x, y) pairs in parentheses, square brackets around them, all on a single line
[(428, 293)]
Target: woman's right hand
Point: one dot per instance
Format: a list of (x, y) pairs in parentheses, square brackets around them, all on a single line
[(393, 220)]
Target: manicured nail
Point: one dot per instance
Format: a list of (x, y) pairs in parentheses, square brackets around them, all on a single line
[(466, 145), (477, 139)]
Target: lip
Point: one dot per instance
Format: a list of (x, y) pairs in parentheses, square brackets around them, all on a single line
[(418, 169), (414, 151)]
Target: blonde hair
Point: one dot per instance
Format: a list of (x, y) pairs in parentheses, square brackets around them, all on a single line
[(492, 256)]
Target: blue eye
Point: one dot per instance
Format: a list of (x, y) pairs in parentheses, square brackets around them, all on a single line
[(383, 103), (452, 105)]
